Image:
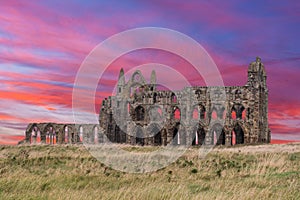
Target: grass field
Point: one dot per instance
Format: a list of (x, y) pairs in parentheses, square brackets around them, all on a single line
[(70, 172)]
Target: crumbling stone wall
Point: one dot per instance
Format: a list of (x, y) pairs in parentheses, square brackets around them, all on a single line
[(53, 133), (208, 115)]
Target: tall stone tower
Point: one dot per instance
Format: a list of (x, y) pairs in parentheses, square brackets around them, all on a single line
[(258, 100)]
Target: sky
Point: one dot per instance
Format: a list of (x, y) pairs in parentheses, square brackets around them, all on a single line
[(44, 43)]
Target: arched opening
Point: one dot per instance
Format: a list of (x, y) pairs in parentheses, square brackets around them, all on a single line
[(96, 138), (66, 134), (139, 136), (47, 138), (238, 109), (176, 135), (50, 134), (136, 77), (237, 135), (128, 108), (140, 113), (154, 97), (195, 114), (238, 93), (221, 138), (233, 138), (244, 114), (38, 136), (199, 137), (157, 135), (173, 98), (217, 135), (233, 114), (53, 139), (214, 114), (81, 134), (176, 113), (110, 117), (199, 94), (195, 137), (35, 135), (131, 92), (117, 134)]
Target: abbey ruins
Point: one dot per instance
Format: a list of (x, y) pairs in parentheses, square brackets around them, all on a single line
[(140, 114)]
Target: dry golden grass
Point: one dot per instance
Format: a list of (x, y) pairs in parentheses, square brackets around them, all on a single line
[(70, 172)]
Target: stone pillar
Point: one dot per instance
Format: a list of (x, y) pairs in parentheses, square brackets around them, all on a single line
[(189, 136), (27, 136), (164, 136), (228, 138), (169, 135), (61, 137), (208, 137)]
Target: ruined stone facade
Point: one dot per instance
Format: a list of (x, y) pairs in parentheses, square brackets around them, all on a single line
[(139, 114)]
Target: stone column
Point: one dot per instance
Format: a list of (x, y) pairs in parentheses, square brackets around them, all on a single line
[(228, 138)]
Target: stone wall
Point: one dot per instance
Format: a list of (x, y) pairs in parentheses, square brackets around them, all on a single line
[(207, 115)]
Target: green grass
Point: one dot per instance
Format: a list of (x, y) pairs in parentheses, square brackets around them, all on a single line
[(70, 172)]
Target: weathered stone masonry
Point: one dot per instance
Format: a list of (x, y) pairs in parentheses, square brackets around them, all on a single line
[(139, 114)]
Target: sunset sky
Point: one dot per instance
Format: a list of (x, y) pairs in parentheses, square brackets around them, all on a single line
[(43, 44)]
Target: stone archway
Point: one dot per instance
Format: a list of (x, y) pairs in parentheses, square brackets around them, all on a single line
[(139, 113), (217, 135), (237, 135), (49, 134), (176, 113), (198, 135), (238, 111), (34, 134), (195, 113)]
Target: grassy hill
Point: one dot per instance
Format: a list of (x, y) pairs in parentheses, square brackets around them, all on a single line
[(70, 172)]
